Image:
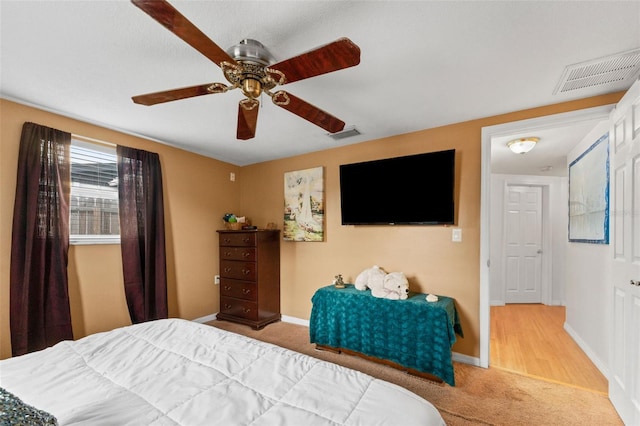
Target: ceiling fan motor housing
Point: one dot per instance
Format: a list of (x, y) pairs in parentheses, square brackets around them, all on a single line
[(250, 67), (249, 50), (252, 58)]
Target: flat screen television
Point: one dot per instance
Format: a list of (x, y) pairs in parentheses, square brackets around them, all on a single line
[(411, 190)]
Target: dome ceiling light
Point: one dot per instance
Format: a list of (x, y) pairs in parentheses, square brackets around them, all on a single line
[(522, 145)]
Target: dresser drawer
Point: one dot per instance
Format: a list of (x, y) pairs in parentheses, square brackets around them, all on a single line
[(239, 308), (240, 239), (238, 253), (249, 268), (239, 289), (238, 270)]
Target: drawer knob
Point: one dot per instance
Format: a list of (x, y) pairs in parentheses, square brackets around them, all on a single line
[(246, 271), (246, 240), (246, 254), (227, 254), (227, 287), (246, 310), (227, 306), (227, 269), (246, 291), (227, 240)]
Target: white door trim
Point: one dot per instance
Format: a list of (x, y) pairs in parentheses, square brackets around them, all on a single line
[(489, 132)]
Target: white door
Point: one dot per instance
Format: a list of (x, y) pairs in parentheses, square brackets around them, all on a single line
[(523, 244), (624, 359)]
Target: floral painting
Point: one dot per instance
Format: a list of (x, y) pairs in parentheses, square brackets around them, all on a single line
[(304, 205)]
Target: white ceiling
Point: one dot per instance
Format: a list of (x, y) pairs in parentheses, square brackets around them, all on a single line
[(424, 64), (549, 156)]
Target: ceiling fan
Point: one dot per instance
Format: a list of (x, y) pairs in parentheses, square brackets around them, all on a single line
[(248, 66)]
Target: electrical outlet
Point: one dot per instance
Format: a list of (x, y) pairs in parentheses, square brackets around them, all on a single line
[(216, 279)]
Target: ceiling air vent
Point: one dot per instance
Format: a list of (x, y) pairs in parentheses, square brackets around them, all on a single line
[(346, 133), (618, 71)]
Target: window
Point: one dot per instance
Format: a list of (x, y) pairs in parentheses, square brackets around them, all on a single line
[(94, 194)]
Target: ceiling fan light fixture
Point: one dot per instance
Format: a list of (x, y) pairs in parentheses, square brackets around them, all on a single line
[(251, 88), (522, 145)]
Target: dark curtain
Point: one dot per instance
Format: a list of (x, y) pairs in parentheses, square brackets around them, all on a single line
[(39, 297), (142, 234)]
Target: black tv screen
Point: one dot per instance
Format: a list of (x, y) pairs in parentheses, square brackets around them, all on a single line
[(411, 190)]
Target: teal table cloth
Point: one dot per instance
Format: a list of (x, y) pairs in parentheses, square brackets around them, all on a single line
[(413, 333)]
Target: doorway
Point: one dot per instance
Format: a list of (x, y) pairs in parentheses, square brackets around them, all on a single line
[(489, 134)]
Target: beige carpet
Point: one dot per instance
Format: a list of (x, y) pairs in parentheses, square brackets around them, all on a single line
[(480, 397)]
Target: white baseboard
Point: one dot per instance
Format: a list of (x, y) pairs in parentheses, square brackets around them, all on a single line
[(604, 369), (553, 302), (206, 318), (464, 359), (294, 320)]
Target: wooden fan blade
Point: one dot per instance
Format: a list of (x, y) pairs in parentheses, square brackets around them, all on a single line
[(307, 111), (247, 119), (342, 53), (175, 94), (175, 22)]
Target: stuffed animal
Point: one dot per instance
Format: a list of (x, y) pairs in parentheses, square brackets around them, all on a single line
[(394, 286), (370, 278)]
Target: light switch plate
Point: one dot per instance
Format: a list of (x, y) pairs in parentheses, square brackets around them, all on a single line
[(456, 235)]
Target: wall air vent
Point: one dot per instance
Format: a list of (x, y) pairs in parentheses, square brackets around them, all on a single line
[(346, 133), (617, 72)]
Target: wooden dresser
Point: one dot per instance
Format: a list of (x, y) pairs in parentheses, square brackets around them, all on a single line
[(250, 277)]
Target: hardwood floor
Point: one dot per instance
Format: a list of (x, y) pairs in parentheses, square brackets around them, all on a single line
[(530, 339)]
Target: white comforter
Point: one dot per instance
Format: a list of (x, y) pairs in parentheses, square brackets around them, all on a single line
[(174, 371)]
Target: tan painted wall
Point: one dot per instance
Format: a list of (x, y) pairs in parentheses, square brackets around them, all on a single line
[(425, 254), (197, 192)]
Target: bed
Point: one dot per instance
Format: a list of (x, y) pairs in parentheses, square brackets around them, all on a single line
[(178, 372)]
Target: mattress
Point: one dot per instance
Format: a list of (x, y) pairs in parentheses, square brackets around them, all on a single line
[(178, 372)]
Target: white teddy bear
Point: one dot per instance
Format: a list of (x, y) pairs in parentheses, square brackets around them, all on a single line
[(394, 285)]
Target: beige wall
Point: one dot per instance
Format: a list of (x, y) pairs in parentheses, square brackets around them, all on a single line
[(425, 254), (198, 192)]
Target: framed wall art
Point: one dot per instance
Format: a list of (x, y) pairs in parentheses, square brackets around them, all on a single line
[(304, 205), (589, 195)]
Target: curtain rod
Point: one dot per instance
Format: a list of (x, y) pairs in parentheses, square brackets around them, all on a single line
[(92, 140)]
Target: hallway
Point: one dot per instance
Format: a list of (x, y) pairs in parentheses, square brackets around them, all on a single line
[(530, 339)]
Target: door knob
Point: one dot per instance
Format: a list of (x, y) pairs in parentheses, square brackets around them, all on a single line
[(539, 251), (636, 283)]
